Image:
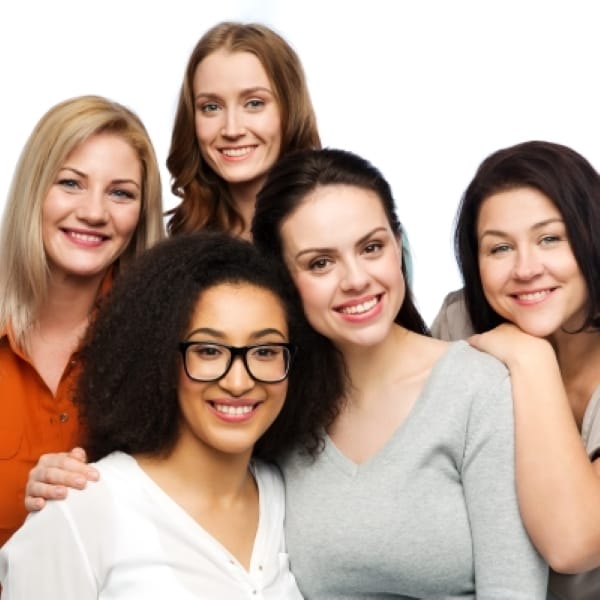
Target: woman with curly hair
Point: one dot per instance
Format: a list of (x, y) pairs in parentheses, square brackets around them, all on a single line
[(244, 102), (184, 394), (85, 200)]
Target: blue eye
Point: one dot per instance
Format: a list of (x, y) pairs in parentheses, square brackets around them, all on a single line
[(68, 183), (255, 103), (123, 194), (500, 249), (209, 107), (550, 239)]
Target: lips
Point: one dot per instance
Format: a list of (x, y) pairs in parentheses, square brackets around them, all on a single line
[(533, 296), (234, 412), (85, 238), (239, 152), (359, 307)]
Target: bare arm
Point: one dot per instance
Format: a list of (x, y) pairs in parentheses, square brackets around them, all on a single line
[(558, 486), (54, 474)]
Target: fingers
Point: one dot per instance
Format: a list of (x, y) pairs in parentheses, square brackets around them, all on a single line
[(54, 474), (78, 454)]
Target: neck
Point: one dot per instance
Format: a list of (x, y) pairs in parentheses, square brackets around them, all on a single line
[(576, 352), (368, 366), (193, 468), (69, 302), (244, 199)]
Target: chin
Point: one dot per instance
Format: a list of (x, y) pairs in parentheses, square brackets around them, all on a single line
[(541, 330)]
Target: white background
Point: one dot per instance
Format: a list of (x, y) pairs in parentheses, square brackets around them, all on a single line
[(425, 89)]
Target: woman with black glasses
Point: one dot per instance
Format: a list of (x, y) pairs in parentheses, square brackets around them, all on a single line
[(184, 391)]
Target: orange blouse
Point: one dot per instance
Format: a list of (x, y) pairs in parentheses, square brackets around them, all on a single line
[(33, 421)]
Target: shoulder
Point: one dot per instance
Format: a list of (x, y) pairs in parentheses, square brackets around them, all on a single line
[(117, 478), (267, 475), (452, 321), (590, 429), (471, 383), (461, 360)]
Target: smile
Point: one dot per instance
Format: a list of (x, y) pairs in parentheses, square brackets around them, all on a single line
[(228, 409), (536, 296), (359, 309), (237, 152), (85, 237)]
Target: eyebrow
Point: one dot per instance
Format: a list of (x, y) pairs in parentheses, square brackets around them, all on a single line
[(325, 250), (243, 92), (256, 335), (538, 225), (84, 176)]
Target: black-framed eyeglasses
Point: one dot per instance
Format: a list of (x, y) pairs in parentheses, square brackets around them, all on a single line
[(209, 361)]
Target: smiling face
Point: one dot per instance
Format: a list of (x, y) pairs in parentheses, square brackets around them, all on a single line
[(346, 263), (93, 207), (238, 122), (231, 414), (528, 271)]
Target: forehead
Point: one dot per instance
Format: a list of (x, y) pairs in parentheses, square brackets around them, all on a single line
[(334, 214), (105, 152), (239, 308), (223, 71), (515, 209)]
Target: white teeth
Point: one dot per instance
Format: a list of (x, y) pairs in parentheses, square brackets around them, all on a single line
[(234, 410), (236, 152), (358, 309), (85, 237), (533, 295)]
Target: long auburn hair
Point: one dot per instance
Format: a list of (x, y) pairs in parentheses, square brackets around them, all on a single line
[(206, 199)]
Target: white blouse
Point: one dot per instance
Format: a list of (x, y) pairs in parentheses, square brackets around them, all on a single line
[(125, 538)]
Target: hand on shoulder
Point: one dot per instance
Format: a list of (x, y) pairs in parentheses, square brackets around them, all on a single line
[(513, 346)]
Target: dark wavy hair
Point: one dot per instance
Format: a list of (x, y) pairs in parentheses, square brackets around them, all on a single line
[(570, 183), (297, 175), (207, 201), (128, 388)]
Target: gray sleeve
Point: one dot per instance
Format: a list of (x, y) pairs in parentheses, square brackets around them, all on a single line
[(452, 321), (506, 563), (590, 429)]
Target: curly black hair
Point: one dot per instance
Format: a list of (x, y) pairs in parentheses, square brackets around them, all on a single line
[(127, 391)]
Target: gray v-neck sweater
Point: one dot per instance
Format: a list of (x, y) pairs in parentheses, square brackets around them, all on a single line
[(433, 514)]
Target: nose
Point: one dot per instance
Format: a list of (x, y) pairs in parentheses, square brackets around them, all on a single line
[(92, 208), (233, 126), (237, 380), (355, 277), (527, 264)]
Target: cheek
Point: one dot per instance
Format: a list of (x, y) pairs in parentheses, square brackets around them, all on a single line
[(272, 127), (278, 393), (127, 219), (204, 131), (312, 292), (488, 273)]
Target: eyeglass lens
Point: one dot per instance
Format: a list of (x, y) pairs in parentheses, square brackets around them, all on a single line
[(206, 361)]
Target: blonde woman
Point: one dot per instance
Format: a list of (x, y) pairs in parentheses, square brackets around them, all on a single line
[(84, 201)]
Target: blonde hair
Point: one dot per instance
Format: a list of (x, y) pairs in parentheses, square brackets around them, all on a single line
[(23, 265)]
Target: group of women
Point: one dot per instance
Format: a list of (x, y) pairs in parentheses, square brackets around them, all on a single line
[(413, 467)]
